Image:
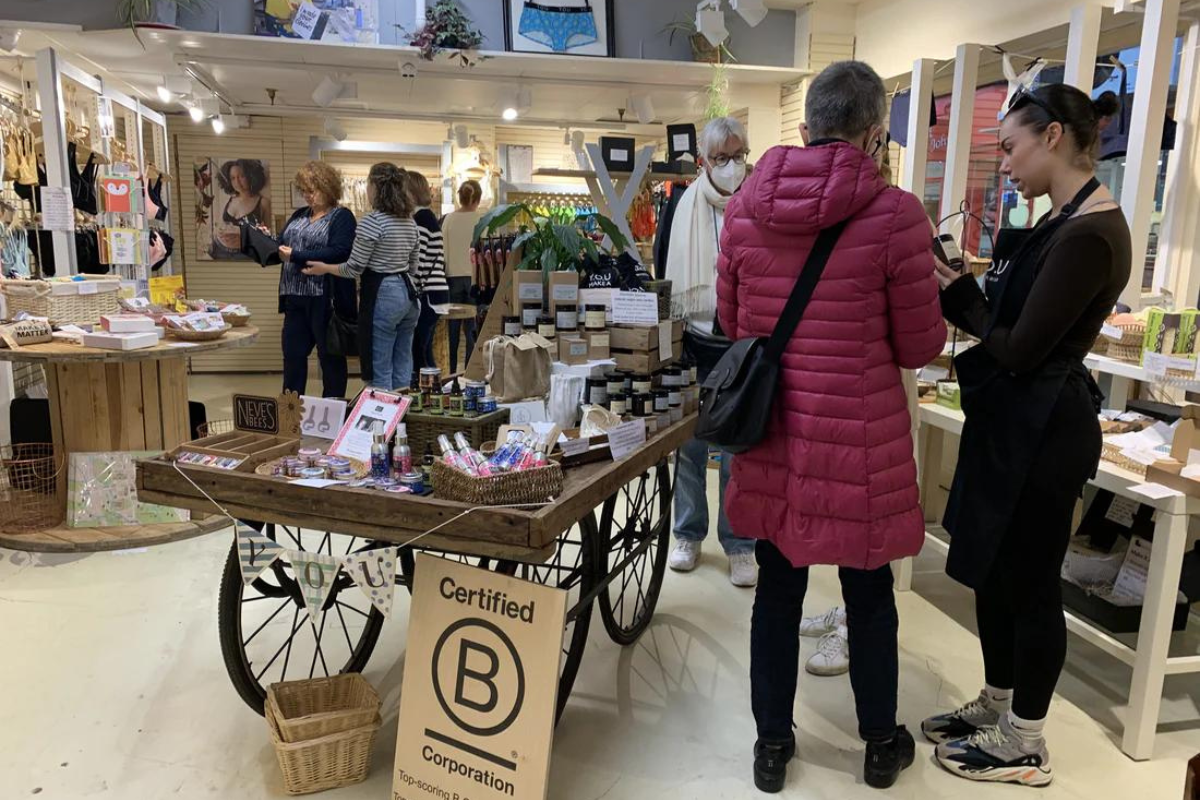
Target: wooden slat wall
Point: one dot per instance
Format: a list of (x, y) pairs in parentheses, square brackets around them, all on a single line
[(824, 49), (791, 102)]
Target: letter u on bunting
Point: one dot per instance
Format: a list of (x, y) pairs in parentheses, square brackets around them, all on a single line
[(374, 572), (315, 573), (256, 552)]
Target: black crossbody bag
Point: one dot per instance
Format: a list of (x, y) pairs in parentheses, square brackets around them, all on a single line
[(736, 397)]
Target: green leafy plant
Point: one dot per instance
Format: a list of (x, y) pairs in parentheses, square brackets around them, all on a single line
[(688, 29), (131, 12), (547, 245), (447, 29), (718, 93)]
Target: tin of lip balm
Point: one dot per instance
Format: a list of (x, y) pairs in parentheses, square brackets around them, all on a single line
[(476, 389), (487, 404), (337, 462), (310, 454), (312, 472), (361, 483), (344, 473), (323, 462), (415, 482), (383, 483)]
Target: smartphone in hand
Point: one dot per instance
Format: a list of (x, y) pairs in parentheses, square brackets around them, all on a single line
[(946, 249)]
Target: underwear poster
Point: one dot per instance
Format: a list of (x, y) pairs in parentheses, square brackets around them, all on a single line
[(564, 27)]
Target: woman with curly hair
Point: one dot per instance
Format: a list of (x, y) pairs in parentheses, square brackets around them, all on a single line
[(321, 231), (384, 257), (245, 182)]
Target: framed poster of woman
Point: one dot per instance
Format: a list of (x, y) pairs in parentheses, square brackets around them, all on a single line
[(229, 193), (565, 27)]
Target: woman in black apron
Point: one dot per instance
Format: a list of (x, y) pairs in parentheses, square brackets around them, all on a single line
[(1031, 439)]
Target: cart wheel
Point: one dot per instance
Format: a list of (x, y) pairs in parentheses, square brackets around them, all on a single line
[(634, 527), (263, 645)]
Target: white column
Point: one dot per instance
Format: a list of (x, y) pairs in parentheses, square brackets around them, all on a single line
[(1155, 59), (1177, 241), (962, 119), (54, 140), (916, 153), (1083, 41)]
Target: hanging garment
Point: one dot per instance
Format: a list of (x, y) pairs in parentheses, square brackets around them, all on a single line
[(83, 184), (162, 245), (558, 27), (155, 206), (898, 121), (259, 246), (87, 253)]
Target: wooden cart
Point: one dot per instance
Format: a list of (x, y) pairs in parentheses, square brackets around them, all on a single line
[(604, 539)]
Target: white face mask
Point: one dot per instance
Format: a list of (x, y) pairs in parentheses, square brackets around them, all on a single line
[(729, 177)]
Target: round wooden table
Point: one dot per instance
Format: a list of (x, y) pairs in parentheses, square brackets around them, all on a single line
[(441, 337), (112, 400)]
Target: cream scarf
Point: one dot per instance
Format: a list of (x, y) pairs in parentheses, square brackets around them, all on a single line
[(693, 250)]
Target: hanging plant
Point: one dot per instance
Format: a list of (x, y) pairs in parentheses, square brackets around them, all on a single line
[(718, 93), (548, 245), (447, 29), (137, 12)]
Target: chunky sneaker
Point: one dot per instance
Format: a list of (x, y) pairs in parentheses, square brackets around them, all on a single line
[(998, 755), (885, 760), (960, 724), (684, 555), (743, 570), (823, 623), (770, 763), (832, 656)]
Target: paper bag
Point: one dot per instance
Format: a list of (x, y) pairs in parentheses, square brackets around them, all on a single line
[(518, 367)]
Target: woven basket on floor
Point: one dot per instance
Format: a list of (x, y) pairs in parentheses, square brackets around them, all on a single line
[(36, 299), (507, 488), (309, 709), (329, 762)]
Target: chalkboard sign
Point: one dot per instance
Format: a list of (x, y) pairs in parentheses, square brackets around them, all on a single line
[(256, 414)]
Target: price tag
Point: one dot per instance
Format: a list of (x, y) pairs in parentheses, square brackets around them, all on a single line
[(1155, 364), (1121, 511), (574, 447), (1112, 332), (57, 209), (626, 438), (664, 341), (635, 308), (89, 287)]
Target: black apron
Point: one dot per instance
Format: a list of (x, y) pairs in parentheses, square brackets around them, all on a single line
[(369, 292), (1007, 413)]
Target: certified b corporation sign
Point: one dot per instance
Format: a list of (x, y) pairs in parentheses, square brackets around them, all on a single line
[(480, 684)]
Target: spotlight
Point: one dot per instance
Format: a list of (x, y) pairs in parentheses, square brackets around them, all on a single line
[(9, 39), (328, 91), (509, 114), (567, 136), (753, 11), (335, 130), (164, 94), (710, 21), (642, 107), (218, 125), (195, 112)]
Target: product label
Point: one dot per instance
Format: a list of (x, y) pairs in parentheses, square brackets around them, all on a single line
[(564, 293), (635, 308), (1112, 332), (567, 319), (529, 291), (618, 155), (681, 143)]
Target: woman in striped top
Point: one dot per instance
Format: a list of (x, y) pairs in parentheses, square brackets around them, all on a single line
[(435, 291), (321, 231), (385, 258)]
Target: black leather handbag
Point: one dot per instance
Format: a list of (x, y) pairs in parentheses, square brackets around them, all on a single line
[(341, 337), (737, 396)]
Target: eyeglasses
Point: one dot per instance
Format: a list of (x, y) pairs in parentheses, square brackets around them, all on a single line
[(1025, 96), (722, 160)]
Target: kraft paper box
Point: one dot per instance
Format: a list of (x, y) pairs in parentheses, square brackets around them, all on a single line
[(598, 346), (1171, 334), (1187, 435), (527, 288), (572, 350), (564, 289)]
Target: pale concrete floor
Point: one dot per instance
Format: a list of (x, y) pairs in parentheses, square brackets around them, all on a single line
[(114, 686)]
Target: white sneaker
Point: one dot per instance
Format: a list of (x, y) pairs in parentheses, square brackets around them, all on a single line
[(684, 555), (832, 656), (743, 570), (823, 623)]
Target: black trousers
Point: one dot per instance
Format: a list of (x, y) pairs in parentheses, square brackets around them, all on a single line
[(423, 337), (305, 324), (460, 292), (775, 645)]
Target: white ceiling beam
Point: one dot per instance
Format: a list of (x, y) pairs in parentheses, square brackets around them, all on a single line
[(1083, 42)]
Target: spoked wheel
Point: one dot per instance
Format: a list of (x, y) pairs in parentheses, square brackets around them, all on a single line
[(634, 528), (575, 568), (266, 635)]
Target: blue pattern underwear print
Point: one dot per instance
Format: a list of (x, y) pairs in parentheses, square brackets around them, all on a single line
[(558, 27)]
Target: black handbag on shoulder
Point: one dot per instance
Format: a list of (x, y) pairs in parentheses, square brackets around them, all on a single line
[(737, 396), (341, 337)]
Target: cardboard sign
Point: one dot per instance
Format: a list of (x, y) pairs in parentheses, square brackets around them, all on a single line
[(626, 438), (480, 685), (306, 22), (256, 414)]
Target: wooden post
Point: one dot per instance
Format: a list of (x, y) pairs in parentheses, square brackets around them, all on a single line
[(916, 153), (1083, 41), (1155, 59), (962, 119), (1177, 242)]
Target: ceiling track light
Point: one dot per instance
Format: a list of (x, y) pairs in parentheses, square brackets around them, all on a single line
[(218, 125), (196, 113), (327, 91), (710, 21), (753, 11)]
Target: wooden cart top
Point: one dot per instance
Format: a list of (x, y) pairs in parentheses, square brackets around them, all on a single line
[(518, 534), (58, 351)]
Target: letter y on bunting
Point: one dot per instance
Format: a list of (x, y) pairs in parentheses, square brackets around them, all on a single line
[(374, 571), (256, 552)]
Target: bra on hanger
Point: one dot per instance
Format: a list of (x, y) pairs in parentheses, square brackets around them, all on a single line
[(83, 184), (154, 190)]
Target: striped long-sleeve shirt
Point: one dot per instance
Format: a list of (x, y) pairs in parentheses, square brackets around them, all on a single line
[(431, 266), (383, 243)]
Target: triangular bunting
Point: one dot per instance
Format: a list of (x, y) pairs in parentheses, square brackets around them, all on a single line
[(256, 552), (374, 572), (315, 573)]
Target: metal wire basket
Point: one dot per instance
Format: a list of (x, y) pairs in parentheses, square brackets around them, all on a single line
[(29, 476), (213, 427)]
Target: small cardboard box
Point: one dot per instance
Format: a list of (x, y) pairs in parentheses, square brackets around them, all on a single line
[(127, 323), (1187, 435), (527, 288), (564, 289), (598, 346), (121, 341), (572, 350)]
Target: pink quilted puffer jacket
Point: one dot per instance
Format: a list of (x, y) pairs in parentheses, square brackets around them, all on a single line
[(834, 481)]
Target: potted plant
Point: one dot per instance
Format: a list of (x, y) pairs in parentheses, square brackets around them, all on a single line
[(447, 29), (702, 49), (142, 13), (547, 245)]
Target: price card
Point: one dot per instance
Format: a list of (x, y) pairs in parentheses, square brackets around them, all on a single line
[(626, 438), (89, 287), (635, 308), (1112, 332), (1155, 364), (574, 447), (1121, 511), (664, 341), (304, 24), (57, 209)]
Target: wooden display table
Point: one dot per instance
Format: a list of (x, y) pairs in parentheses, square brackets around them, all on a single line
[(441, 337), (93, 540), (108, 400)]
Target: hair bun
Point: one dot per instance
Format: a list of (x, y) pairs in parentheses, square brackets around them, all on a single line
[(1106, 105)]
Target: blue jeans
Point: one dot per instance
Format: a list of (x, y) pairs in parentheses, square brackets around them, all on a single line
[(691, 499), (392, 325)]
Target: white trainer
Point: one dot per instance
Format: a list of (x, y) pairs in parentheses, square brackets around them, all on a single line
[(832, 656), (743, 570), (684, 555), (823, 623)]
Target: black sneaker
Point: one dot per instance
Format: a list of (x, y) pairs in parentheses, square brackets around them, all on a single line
[(770, 763), (885, 760)]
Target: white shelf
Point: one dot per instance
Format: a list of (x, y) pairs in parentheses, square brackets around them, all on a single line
[(1135, 372)]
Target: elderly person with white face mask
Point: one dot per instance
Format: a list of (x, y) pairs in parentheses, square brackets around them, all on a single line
[(692, 270)]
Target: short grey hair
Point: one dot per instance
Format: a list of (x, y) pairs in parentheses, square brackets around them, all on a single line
[(719, 131), (844, 101)]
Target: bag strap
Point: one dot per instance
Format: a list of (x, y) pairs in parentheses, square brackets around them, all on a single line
[(802, 292)]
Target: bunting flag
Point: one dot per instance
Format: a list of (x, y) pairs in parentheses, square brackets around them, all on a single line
[(255, 552), (374, 572), (315, 573)]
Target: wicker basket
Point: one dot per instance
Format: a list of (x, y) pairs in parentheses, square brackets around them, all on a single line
[(1129, 347), (236, 320), (29, 476), (36, 299), (508, 488), (310, 709), (663, 290), (424, 429), (1112, 454), (329, 762), (199, 336)]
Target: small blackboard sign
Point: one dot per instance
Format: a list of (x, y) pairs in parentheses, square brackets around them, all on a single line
[(256, 414)]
